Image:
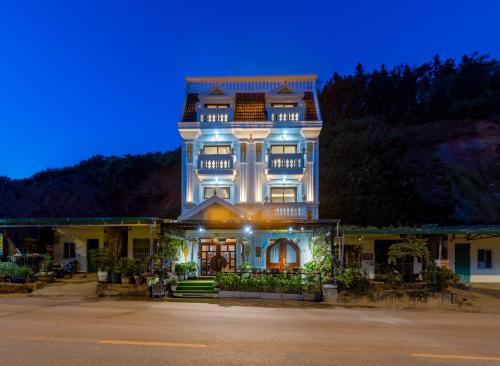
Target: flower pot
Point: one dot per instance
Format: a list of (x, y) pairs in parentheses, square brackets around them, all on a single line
[(116, 277), (173, 287), (125, 279), (102, 276), (18, 279), (139, 280), (152, 281)]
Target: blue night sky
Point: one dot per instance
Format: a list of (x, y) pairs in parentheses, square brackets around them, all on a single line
[(79, 78)]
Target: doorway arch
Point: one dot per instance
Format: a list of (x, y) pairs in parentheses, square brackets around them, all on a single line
[(283, 252)]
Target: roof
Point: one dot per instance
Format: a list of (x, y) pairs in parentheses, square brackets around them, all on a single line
[(250, 107), (429, 230), (211, 201), (75, 221), (281, 78)]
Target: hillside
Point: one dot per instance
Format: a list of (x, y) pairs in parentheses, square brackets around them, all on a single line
[(133, 185), (411, 145)]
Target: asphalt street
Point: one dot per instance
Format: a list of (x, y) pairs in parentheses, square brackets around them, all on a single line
[(76, 331)]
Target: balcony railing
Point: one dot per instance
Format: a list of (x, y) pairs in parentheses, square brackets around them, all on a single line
[(215, 164), (286, 114), (294, 210), (215, 115), (285, 163)]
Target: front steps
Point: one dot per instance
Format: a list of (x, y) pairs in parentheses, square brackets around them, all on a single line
[(199, 288)]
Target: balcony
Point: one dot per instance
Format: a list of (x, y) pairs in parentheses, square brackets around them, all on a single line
[(291, 165), (210, 166), (289, 210), (214, 115), (282, 114)]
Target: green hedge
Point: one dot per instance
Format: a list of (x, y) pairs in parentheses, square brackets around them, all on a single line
[(280, 283)]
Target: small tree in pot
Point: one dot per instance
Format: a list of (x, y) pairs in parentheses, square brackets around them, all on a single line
[(115, 250), (101, 259), (46, 274), (126, 267)]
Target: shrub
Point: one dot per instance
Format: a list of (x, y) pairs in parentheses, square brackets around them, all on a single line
[(23, 271), (126, 265), (438, 279), (246, 267), (355, 280), (101, 259), (47, 263), (180, 268), (191, 268), (263, 283), (8, 269)]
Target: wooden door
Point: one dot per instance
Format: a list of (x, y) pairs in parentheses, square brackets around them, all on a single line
[(283, 253)]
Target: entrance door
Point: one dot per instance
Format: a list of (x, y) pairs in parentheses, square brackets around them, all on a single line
[(462, 261), (282, 253), (217, 255), (91, 244)]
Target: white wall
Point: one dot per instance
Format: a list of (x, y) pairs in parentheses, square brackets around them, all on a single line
[(476, 274), (79, 236)]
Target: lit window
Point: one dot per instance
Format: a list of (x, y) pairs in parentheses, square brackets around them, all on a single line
[(221, 192), (283, 149), (283, 194), (283, 105), (216, 106), (484, 258), (217, 150)]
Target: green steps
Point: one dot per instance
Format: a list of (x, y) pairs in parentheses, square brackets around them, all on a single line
[(200, 288)]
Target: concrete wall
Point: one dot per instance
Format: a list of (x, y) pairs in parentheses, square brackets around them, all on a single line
[(476, 274)]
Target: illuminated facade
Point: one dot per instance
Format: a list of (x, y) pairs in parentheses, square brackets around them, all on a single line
[(249, 157), (253, 142)]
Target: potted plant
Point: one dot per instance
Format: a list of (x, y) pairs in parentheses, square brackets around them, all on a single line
[(246, 268), (180, 269), (191, 269), (46, 274), (139, 272), (101, 259), (115, 249), (21, 274), (126, 267), (7, 270), (173, 282)]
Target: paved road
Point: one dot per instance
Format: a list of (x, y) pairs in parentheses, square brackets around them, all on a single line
[(76, 331)]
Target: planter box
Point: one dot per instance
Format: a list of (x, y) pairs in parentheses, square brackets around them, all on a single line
[(260, 295)]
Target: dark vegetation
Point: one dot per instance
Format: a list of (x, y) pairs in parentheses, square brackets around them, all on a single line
[(133, 185), (410, 145)]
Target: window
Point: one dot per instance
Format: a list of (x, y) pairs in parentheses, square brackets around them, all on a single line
[(69, 250), (484, 258), (283, 105), (221, 192), (217, 150), (283, 194), (140, 248), (216, 106), (283, 149)]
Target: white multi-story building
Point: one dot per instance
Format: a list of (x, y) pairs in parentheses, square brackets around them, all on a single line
[(250, 162)]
